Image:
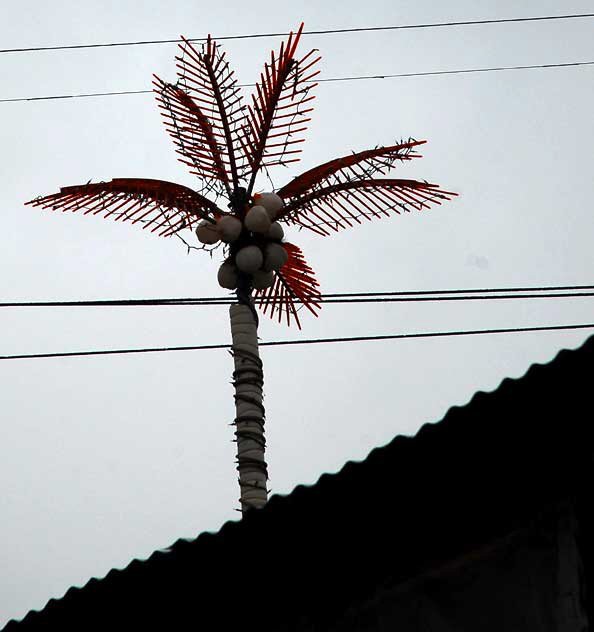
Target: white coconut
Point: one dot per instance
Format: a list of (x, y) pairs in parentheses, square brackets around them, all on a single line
[(249, 259), (227, 276), (257, 220), (275, 257), (261, 280), (276, 231), (271, 202), (229, 228), (207, 232)]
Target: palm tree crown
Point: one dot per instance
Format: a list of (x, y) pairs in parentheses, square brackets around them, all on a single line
[(227, 144)]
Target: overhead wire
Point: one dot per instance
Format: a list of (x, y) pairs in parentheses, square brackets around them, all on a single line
[(431, 73), (545, 288), (521, 293), (489, 297), (317, 32), (278, 343)]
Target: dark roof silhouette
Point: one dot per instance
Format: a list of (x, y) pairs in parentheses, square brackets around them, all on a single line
[(485, 469)]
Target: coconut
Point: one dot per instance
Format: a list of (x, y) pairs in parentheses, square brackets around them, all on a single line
[(276, 231), (257, 220), (261, 280), (271, 202), (207, 232), (275, 257), (249, 259), (229, 228), (227, 276)]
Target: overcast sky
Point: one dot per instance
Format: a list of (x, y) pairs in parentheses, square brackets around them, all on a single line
[(105, 459)]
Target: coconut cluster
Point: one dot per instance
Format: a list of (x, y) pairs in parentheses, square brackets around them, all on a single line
[(256, 248)]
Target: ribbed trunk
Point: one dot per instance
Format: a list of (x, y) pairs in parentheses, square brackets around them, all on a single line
[(248, 380)]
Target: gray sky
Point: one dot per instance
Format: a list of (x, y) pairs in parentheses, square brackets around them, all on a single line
[(106, 459)]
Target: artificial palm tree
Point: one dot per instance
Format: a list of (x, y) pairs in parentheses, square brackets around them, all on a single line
[(228, 145)]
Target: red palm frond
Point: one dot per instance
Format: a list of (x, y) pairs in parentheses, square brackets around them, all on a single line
[(294, 284), (205, 75), (357, 166), (277, 115), (163, 206), (193, 134), (345, 204)]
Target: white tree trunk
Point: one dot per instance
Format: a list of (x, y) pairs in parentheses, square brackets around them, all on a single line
[(248, 381)]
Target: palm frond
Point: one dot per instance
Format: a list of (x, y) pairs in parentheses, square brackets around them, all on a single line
[(294, 284), (193, 134), (345, 204), (206, 76), (161, 206), (356, 166), (278, 112)]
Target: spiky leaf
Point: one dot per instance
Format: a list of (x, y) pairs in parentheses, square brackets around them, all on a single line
[(205, 76), (278, 112), (356, 166), (345, 204), (164, 207), (294, 284)]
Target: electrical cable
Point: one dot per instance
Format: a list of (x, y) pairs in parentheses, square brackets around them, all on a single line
[(329, 80), (415, 299), (278, 343), (523, 293), (545, 288), (320, 32)]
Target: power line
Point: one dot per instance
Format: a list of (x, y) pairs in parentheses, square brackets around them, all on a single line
[(549, 288), (431, 73), (522, 293), (489, 297), (459, 72), (75, 96), (320, 32), (278, 343)]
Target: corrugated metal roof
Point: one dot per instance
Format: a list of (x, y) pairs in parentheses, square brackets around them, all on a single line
[(485, 469)]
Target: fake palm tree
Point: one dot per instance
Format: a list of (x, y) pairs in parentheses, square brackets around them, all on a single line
[(228, 145)]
